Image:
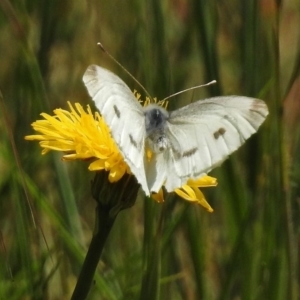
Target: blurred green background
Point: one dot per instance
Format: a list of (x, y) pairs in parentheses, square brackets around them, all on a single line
[(249, 247)]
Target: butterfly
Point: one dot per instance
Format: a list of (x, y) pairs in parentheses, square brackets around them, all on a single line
[(185, 144)]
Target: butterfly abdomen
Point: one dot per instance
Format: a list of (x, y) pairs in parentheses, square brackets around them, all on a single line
[(158, 141)]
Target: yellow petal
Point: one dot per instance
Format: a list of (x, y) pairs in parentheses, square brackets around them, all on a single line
[(158, 197), (97, 165), (193, 194), (202, 201), (204, 181)]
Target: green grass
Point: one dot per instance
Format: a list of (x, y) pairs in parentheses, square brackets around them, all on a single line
[(248, 248)]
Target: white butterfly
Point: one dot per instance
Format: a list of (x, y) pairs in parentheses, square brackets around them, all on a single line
[(186, 143)]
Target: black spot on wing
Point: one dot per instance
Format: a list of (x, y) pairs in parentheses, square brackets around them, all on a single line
[(117, 112), (178, 155), (189, 152), (219, 132), (132, 141)]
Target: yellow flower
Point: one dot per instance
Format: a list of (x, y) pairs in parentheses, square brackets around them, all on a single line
[(82, 135)]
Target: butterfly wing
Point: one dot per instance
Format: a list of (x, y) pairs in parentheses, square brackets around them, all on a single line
[(159, 170), (203, 134), (123, 115)]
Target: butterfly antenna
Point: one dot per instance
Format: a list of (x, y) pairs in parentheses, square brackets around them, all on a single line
[(189, 89), (124, 69)]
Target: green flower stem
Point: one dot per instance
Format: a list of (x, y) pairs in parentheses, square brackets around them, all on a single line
[(103, 226), (111, 199)]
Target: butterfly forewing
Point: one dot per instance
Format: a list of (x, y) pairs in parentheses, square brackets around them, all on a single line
[(123, 114), (203, 134)]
